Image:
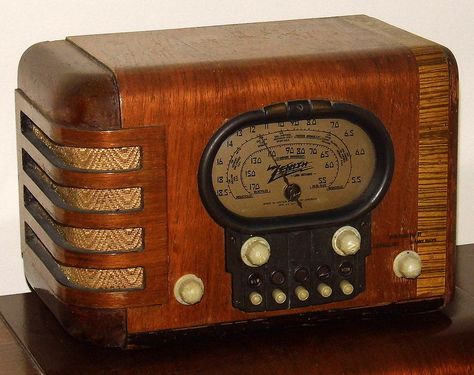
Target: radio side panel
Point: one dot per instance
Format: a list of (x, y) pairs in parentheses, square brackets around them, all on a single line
[(93, 222), (70, 87), (438, 121)]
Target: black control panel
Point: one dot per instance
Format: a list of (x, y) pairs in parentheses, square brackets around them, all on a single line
[(302, 269)]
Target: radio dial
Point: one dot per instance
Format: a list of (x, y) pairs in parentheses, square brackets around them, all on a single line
[(255, 252), (291, 173), (346, 241)]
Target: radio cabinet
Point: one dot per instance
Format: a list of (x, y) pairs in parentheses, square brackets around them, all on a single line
[(199, 178)]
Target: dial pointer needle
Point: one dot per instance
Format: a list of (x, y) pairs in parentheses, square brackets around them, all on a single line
[(285, 179)]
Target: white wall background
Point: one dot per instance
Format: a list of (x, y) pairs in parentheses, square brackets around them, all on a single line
[(25, 22)]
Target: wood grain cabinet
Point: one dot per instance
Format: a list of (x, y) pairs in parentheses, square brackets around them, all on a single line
[(112, 139)]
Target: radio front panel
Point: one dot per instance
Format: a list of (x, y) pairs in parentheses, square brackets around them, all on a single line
[(246, 174)]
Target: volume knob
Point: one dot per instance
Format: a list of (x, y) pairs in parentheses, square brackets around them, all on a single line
[(407, 264), (255, 252), (346, 241), (189, 289)]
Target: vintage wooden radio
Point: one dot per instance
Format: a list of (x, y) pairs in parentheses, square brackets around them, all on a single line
[(183, 179)]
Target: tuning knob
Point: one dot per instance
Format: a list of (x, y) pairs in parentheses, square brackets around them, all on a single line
[(189, 289), (255, 252), (346, 241), (407, 264)]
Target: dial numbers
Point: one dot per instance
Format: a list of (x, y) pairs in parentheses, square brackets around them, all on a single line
[(291, 168)]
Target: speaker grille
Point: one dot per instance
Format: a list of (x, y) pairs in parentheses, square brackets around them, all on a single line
[(84, 199), (126, 278), (86, 278), (102, 240), (93, 199), (95, 159), (93, 219), (86, 239)]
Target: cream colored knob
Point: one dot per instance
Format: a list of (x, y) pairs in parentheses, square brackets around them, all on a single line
[(189, 289), (302, 293), (255, 298), (346, 287), (279, 296), (407, 264), (346, 241), (255, 252), (325, 290)]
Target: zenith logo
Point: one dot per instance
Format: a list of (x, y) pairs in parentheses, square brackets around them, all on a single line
[(280, 171)]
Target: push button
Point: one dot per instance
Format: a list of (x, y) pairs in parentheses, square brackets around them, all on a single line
[(255, 280), (323, 272), (301, 293), (255, 298), (346, 287), (279, 296), (345, 269), (324, 290), (301, 275), (278, 278)]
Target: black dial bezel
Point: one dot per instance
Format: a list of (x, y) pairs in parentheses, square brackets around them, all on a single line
[(300, 110)]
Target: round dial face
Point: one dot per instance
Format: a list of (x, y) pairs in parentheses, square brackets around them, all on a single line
[(293, 167)]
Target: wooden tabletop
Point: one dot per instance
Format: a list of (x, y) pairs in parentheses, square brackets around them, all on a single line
[(442, 342)]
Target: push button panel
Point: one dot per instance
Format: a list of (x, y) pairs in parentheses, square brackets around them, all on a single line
[(303, 268)]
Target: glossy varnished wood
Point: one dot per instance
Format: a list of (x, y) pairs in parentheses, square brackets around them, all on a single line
[(13, 360), (152, 217), (433, 168), (66, 97), (438, 120), (188, 82), (380, 72), (431, 343)]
